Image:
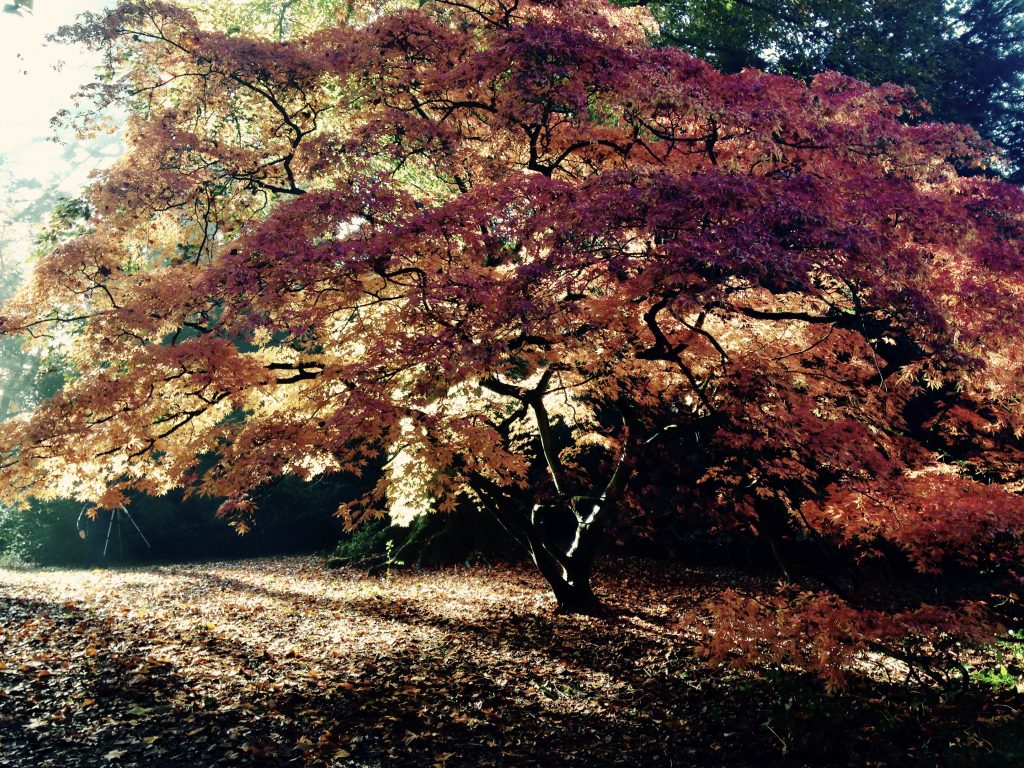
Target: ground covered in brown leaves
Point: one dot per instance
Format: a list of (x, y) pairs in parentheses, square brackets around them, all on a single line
[(281, 662)]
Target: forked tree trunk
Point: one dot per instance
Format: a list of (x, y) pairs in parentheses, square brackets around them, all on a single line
[(567, 570), (567, 567)]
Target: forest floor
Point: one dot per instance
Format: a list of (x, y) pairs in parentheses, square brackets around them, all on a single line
[(281, 662)]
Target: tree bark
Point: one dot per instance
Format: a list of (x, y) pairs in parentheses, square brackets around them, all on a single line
[(566, 566), (567, 572)]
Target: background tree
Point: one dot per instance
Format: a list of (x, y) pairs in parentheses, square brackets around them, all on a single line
[(534, 265), (965, 58)]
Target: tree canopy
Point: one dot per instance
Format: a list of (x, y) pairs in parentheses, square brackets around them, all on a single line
[(965, 58), (536, 266)]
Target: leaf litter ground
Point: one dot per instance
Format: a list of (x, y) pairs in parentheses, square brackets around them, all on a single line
[(281, 662)]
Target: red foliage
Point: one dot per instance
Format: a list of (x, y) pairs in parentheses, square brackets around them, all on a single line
[(535, 264)]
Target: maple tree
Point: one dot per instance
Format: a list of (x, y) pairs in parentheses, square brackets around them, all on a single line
[(964, 57), (532, 264)]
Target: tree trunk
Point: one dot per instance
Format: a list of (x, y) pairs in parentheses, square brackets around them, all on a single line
[(575, 596), (566, 568), (570, 583), (566, 561)]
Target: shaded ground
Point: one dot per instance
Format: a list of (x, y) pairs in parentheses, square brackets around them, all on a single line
[(279, 662)]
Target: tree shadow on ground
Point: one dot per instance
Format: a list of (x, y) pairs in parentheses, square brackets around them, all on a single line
[(511, 685), (682, 713)]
